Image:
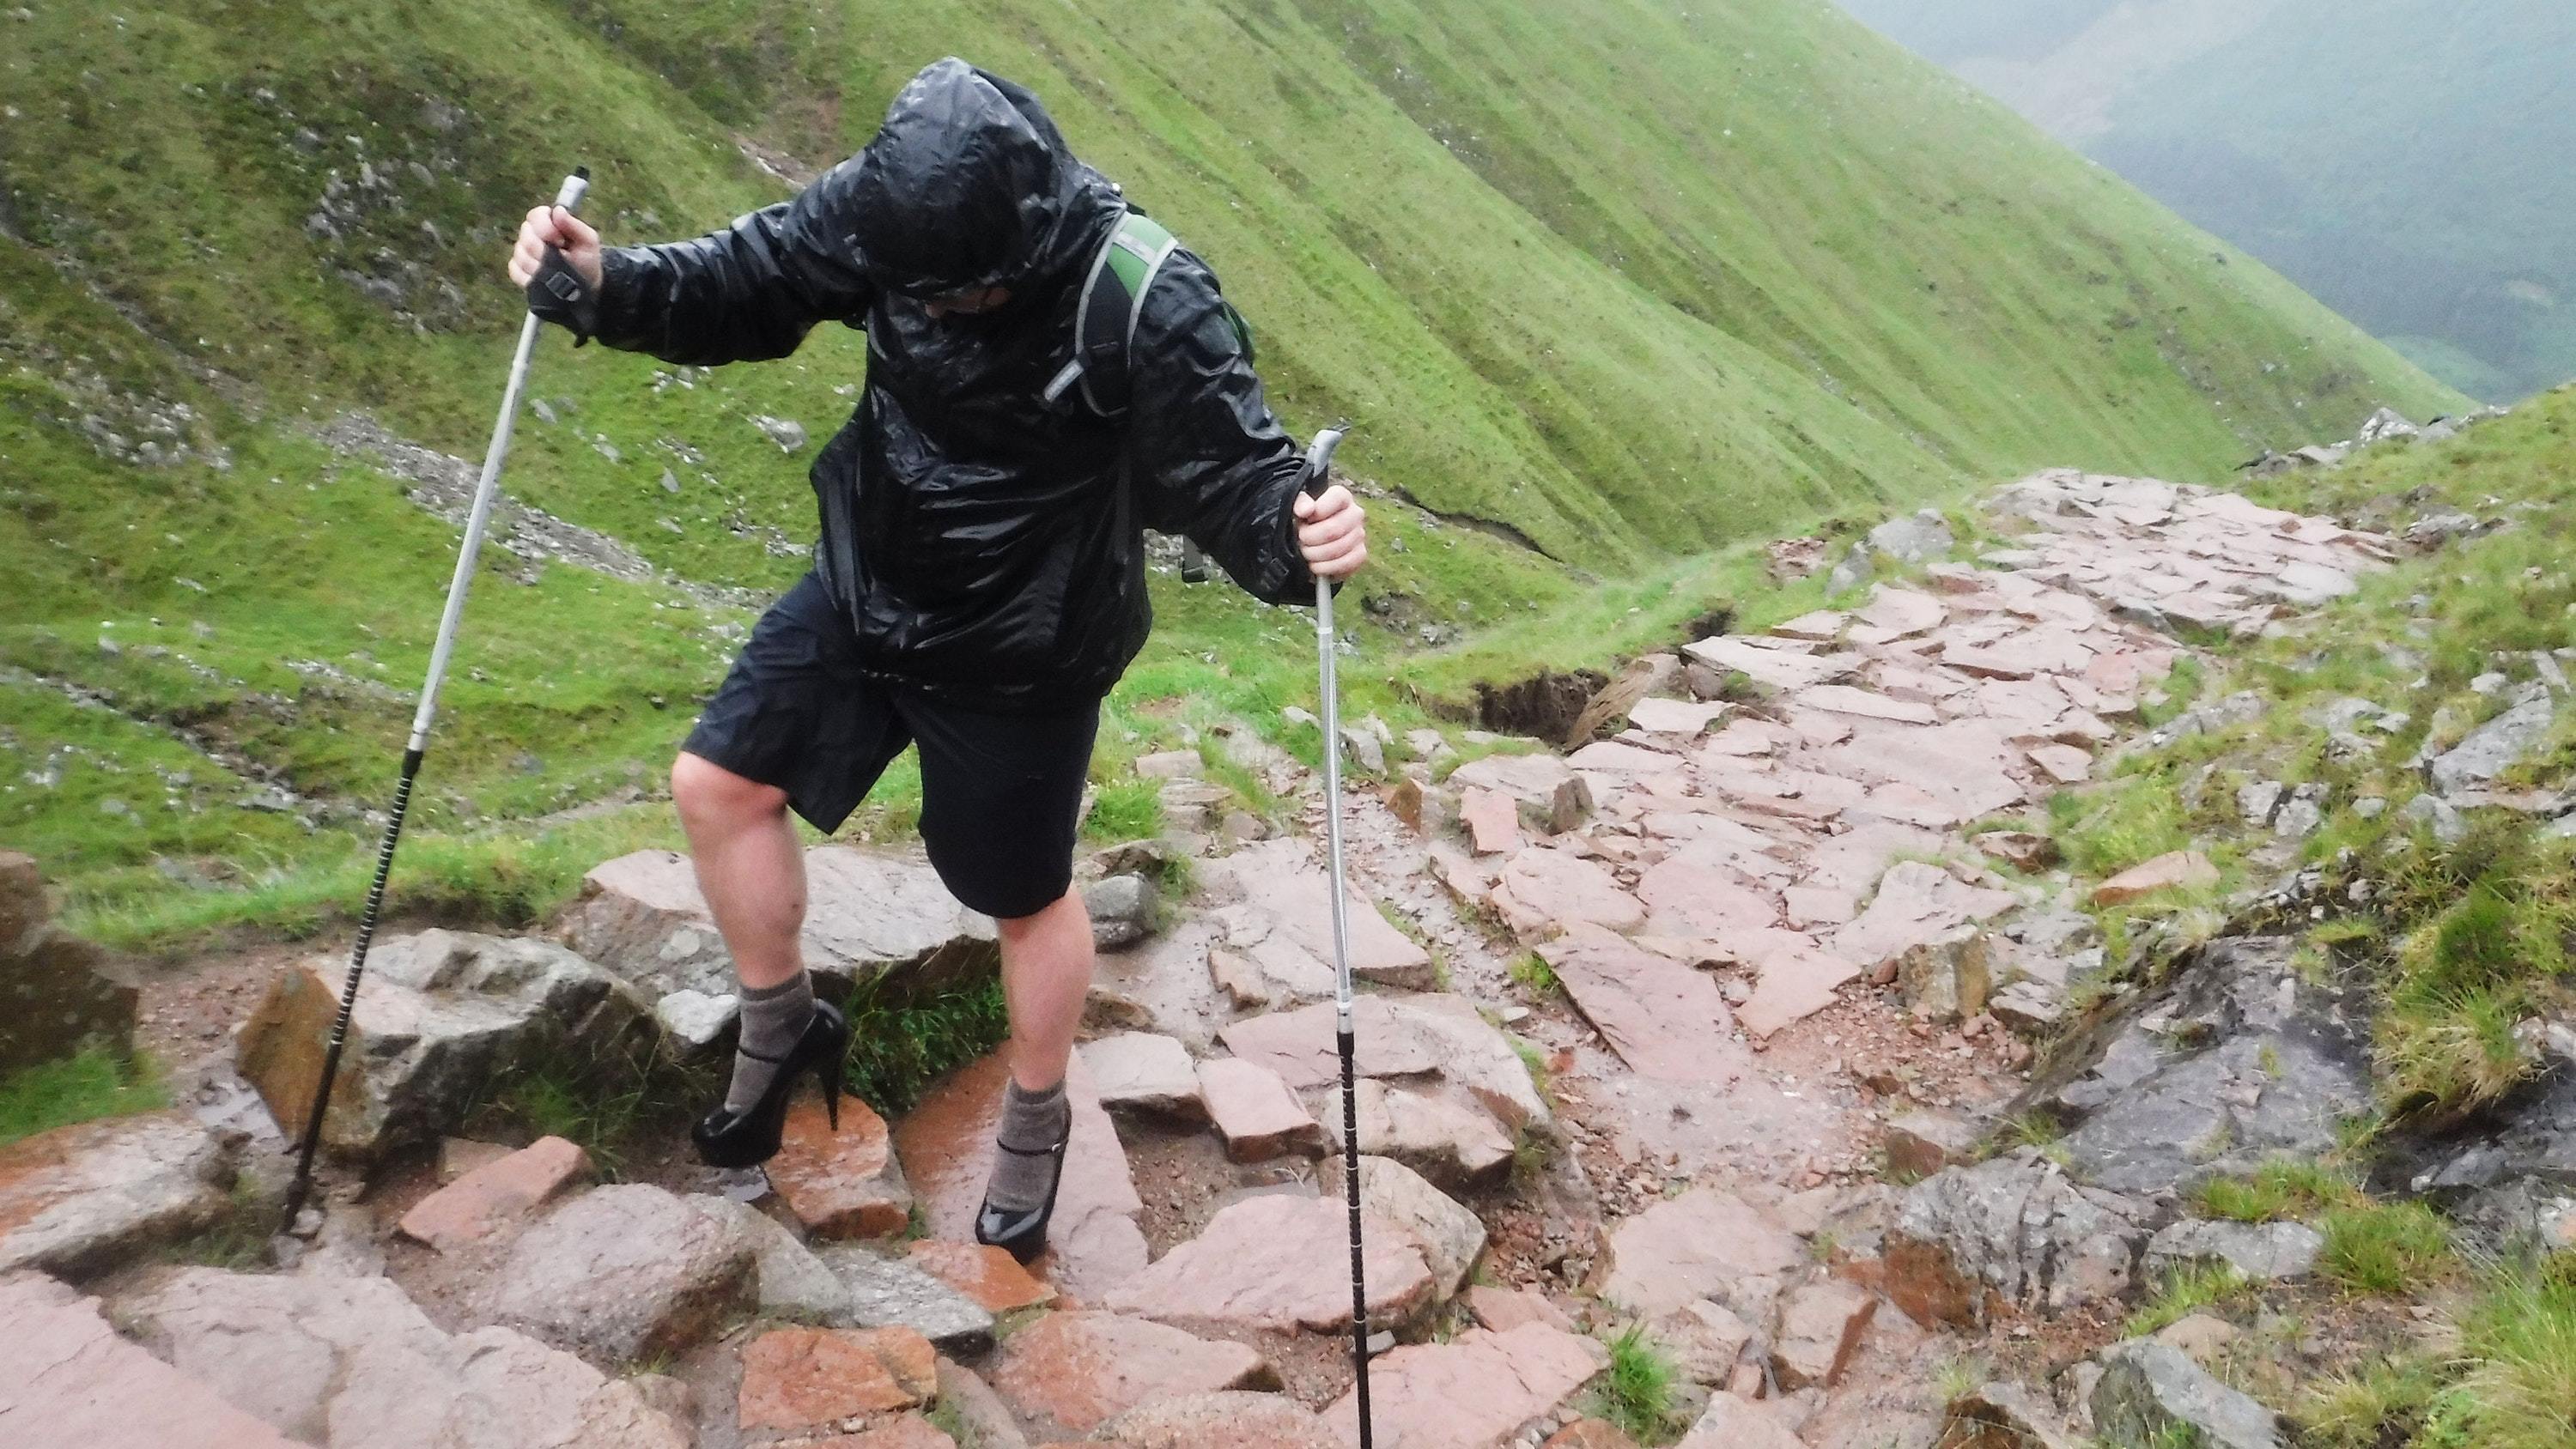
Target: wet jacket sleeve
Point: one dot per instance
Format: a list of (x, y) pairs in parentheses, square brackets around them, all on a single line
[(750, 291), (1210, 461)]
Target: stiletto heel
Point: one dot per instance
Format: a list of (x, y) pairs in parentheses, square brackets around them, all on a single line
[(1023, 1235), (746, 1139)]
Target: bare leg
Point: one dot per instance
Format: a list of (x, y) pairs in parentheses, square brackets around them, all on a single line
[(749, 867), (1046, 973)]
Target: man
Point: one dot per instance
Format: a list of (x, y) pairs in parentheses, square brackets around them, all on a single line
[(979, 580)]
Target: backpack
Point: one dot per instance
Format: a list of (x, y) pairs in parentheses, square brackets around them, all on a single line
[(1113, 299)]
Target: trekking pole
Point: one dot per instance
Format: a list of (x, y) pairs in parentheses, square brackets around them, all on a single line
[(569, 198), (1319, 463)]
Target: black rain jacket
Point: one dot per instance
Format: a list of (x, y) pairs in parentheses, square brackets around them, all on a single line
[(984, 544)]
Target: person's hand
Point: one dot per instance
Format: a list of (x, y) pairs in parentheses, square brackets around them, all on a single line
[(1332, 533), (552, 226)]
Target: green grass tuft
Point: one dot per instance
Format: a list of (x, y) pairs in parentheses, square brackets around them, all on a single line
[(2187, 1290), (2280, 1190), (1531, 970), (1637, 1392), (2386, 1247), (90, 1084), (898, 1049)]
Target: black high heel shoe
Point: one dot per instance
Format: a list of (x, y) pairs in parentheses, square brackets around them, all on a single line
[(1023, 1234), (746, 1139)]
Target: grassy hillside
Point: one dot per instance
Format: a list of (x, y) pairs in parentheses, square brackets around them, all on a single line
[(1636, 281), (2398, 159)]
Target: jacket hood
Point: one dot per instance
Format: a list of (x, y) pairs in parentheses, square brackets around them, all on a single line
[(969, 184)]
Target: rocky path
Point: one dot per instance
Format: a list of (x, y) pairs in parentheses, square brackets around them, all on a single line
[(1650, 1031)]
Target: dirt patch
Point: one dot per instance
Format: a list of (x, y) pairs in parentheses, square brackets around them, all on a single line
[(1545, 705)]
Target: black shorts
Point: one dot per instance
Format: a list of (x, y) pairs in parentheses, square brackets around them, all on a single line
[(1001, 795)]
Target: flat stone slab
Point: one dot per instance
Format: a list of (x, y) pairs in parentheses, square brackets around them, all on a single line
[(1254, 1111), (2263, 1252), (352, 1363), (1686, 718), (844, 1184), (1549, 795), (1664, 1019), (627, 1272), (2174, 870), (1451, 1237), (1477, 1391), (988, 1275), (80, 1199), (802, 1379), (1429, 1035), (1734, 1422), (1544, 892), (495, 1196), (946, 1144), (886, 1292), (1144, 1072), (74, 1382), (1278, 877), (1446, 1140), (1775, 669), (1705, 1243), (1071, 1372), (1279, 1262), (1232, 1419)]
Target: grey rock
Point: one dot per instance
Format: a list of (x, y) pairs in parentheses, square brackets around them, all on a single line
[(1856, 568), (2383, 425), (2495, 746), (82, 1199), (2265, 1252), (2438, 528), (628, 1272), (1916, 539), (695, 1020), (1145, 1072), (886, 1293), (1451, 1237), (870, 914), (1363, 749), (787, 433), (1122, 910), (352, 1363), (2015, 1226), (2258, 800), (2147, 1389), (2027, 1418), (2437, 814), (2032, 1008), (2526, 1217), (2240, 1060), (441, 1018), (2302, 813), (794, 1283)]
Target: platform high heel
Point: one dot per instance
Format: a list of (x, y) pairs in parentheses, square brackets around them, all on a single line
[(725, 1138), (1023, 1234)]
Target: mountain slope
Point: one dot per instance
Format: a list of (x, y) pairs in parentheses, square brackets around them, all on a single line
[(1625, 280), (2403, 160)]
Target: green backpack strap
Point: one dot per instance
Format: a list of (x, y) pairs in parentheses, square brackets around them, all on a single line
[(1113, 299)]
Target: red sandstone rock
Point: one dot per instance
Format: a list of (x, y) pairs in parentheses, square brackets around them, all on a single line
[(495, 1195), (809, 1378), (1070, 1372), (988, 1275)]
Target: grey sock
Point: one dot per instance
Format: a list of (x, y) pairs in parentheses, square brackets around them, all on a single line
[(1034, 1121), (773, 1021)]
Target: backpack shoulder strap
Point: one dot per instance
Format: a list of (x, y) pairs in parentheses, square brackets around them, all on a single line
[(1104, 322)]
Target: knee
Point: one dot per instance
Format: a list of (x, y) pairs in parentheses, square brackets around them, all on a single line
[(709, 794), (1066, 909)]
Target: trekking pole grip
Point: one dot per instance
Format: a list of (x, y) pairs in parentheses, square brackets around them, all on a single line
[(1319, 462)]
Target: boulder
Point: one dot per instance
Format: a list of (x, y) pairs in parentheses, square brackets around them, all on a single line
[(1122, 910), (946, 1144), (627, 1272), (56, 991), (442, 1019), (1279, 1262), (1069, 1373), (1254, 1111), (1924, 1141), (2263, 1252), (2000, 1414), (1918, 538), (1480, 1390), (1549, 796), (495, 1196), (1229, 1419), (1706, 1243), (869, 913), (81, 1199), (1143, 1072), (807, 1379), (2013, 1228), (840, 1184), (888, 1292), (2148, 1391), (352, 1363), (694, 1023), (1946, 978)]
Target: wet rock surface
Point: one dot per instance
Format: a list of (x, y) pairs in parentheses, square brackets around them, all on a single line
[(79, 1199), (626, 1272)]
